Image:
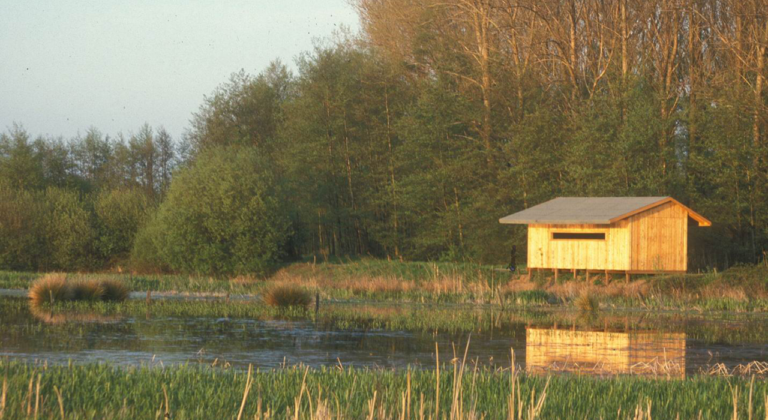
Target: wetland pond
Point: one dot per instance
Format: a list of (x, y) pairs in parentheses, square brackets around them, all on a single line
[(387, 336)]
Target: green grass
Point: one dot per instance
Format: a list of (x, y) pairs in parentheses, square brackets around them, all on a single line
[(740, 289), (530, 298), (194, 392)]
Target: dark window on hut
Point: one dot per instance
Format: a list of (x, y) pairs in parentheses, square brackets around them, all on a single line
[(576, 235)]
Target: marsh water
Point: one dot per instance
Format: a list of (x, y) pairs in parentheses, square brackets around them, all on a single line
[(677, 344)]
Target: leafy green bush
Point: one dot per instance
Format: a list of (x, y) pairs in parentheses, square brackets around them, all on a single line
[(222, 215), (68, 232), (121, 213), (20, 242)]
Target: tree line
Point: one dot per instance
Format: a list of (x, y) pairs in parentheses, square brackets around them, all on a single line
[(77, 204), (411, 139)]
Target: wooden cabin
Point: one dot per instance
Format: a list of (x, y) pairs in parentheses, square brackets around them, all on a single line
[(605, 352), (608, 234)]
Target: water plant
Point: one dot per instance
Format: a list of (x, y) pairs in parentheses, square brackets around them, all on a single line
[(287, 295)]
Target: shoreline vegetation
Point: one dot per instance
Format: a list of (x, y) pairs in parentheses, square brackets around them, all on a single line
[(741, 289), (454, 390), (390, 295)]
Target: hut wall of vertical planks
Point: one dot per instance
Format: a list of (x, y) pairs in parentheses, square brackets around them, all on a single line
[(609, 234)]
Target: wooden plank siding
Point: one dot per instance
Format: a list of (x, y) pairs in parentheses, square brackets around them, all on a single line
[(609, 254), (655, 240), (660, 239)]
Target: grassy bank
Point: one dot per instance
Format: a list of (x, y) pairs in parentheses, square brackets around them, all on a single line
[(190, 392), (737, 289)]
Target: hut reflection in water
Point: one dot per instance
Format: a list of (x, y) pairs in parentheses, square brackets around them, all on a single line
[(605, 352)]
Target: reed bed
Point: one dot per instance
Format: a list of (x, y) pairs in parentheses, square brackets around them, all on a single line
[(455, 390)]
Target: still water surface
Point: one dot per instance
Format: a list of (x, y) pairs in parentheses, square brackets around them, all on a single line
[(163, 340)]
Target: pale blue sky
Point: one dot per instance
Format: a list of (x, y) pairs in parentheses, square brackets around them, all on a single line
[(67, 65)]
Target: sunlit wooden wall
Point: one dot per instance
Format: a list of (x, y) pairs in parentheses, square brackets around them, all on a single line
[(652, 241), (660, 239)]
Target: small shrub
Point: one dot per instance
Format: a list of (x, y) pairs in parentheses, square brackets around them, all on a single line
[(587, 302), (286, 295), (114, 290), (50, 288), (87, 290)]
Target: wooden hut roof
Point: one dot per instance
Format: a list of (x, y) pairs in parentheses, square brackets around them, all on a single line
[(592, 210)]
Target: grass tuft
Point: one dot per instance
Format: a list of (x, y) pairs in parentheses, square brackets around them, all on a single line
[(54, 288), (114, 290), (287, 295), (587, 302), (50, 288), (85, 290)]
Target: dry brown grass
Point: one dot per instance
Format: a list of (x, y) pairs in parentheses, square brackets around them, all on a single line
[(755, 368), (50, 288), (55, 287), (287, 295), (587, 302), (481, 287), (88, 290), (573, 290), (113, 290), (369, 285), (717, 291), (244, 280)]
